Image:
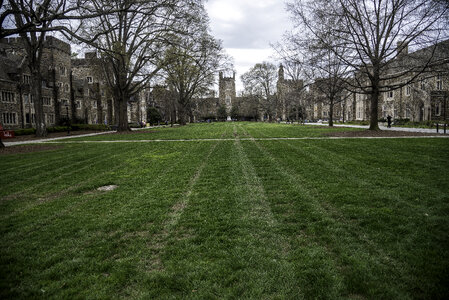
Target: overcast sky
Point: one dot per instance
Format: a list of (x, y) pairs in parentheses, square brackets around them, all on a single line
[(247, 27)]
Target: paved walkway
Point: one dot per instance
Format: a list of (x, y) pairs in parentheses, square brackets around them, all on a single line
[(425, 130), (7, 144), (38, 141), (54, 140), (251, 139)]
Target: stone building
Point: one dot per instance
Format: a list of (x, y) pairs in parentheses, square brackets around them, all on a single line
[(72, 88), (417, 97), (205, 107), (17, 101), (289, 93), (94, 102), (226, 92), (137, 107)]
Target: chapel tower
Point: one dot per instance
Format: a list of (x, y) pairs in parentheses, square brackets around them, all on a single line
[(227, 93)]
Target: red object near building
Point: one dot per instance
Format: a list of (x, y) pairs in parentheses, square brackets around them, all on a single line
[(5, 134)]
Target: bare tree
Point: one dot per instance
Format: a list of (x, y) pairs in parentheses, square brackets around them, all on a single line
[(376, 35), (260, 81), (131, 40), (32, 20), (190, 65)]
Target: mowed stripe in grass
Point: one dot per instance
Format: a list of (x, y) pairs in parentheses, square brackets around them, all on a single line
[(229, 219), (225, 243), (357, 216), (77, 236)]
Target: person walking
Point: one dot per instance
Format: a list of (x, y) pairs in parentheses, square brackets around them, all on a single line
[(389, 121)]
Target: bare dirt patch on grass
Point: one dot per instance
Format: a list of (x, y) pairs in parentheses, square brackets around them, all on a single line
[(28, 149), (377, 133)]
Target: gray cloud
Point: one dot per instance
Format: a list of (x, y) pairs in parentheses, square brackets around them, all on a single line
[(247, 27)]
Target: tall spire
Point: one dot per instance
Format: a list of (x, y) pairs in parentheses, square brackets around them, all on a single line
[(281, 72)]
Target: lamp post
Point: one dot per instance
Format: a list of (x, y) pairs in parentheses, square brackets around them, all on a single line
[(68, 119)]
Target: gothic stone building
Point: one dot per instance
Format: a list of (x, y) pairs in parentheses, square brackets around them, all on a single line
[(17, 101), (417, 98), (71, 88), (227, 93)]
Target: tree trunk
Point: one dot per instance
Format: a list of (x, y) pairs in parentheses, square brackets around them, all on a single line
[(41, 128), (116, 109), (374, 108), (182, 115), (331, 113), (123, 115)]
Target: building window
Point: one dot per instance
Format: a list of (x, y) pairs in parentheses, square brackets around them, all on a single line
[(65, 102), (407, 113), (423, 84), (66, 87), (438, 109), (390, 94), (27, 118), (46, 100), (9, 118), (44, 83), (94, 104), (408, 90), (27, 97), (60, 85), (78, 104), (62, 70), (228, 100), (89, 79), (26, 79), (50, 119), (439, 82), (8, 97)]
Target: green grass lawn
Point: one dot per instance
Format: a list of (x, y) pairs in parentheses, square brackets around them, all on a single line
[(233, 218)]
